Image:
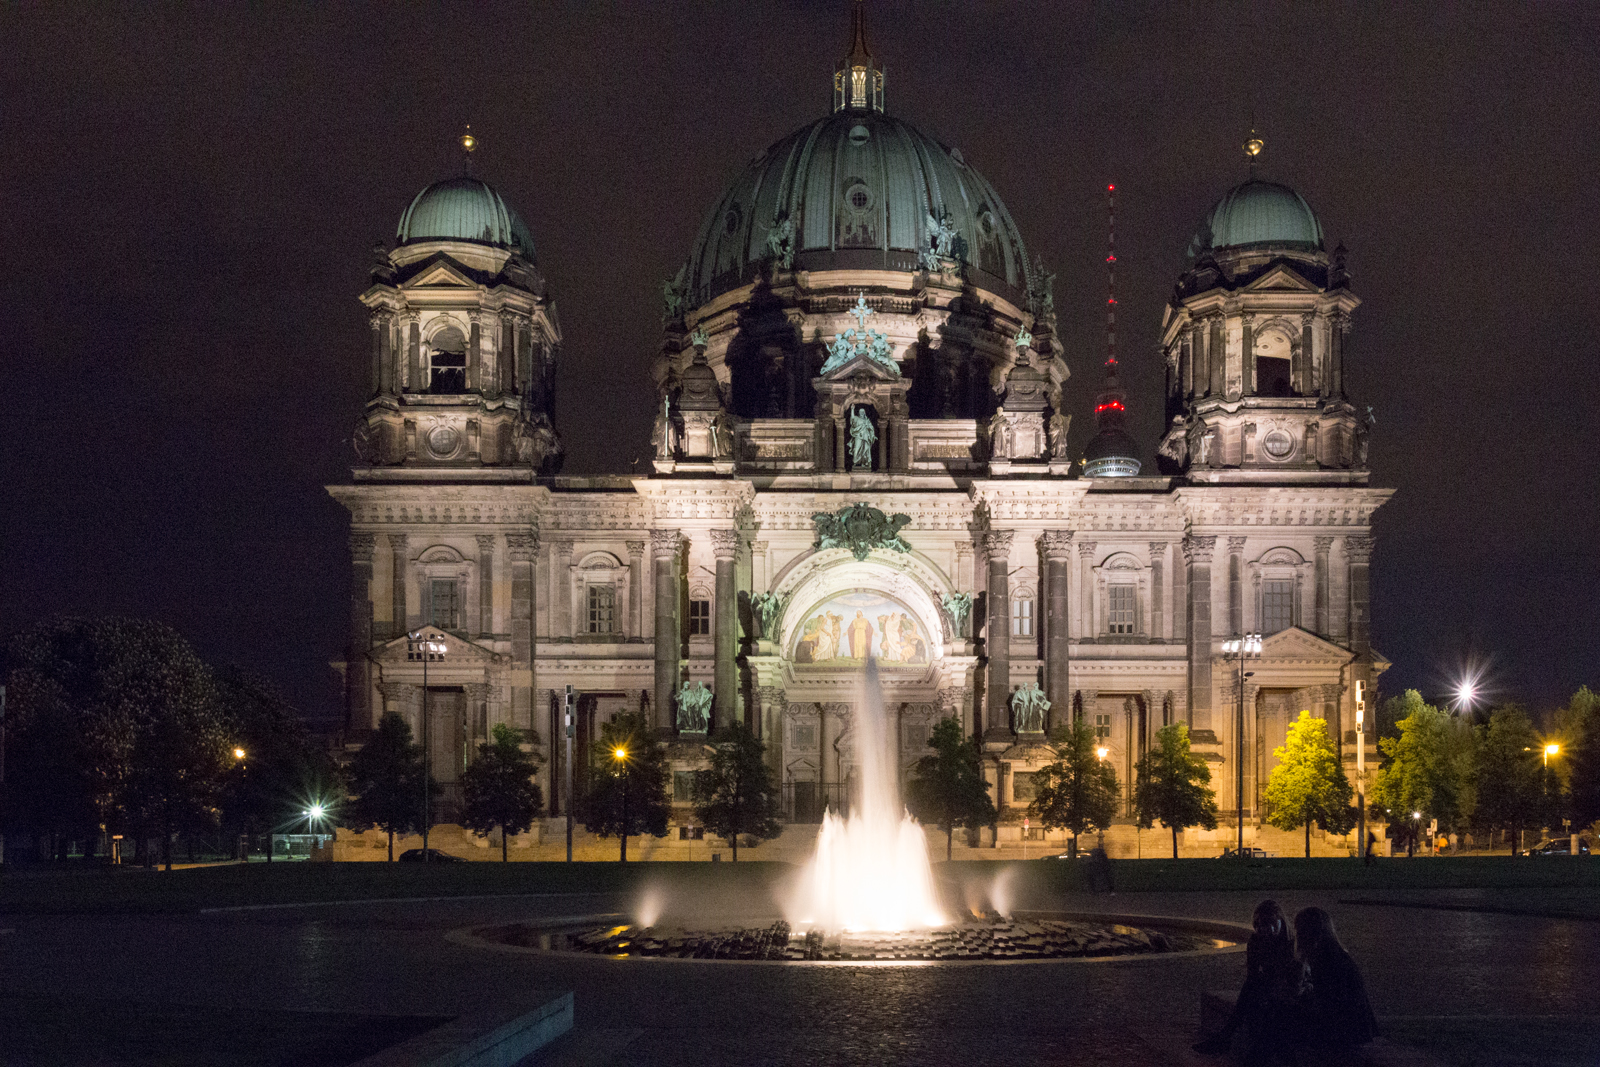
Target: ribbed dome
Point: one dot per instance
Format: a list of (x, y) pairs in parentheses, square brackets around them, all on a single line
[(858, 187), (1259, 213), (464, 209)]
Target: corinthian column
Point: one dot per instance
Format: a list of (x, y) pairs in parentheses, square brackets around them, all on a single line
[(1197, 554), (664, 554), (997, 543), (1057, 546), (397, 578), (358, 668), (1359, 552), (725, 545), (522, 547)]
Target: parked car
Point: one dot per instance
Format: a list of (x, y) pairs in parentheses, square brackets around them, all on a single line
[(1248, 853), (1558, 846), (428, 855)]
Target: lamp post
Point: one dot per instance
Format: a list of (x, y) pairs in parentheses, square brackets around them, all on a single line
[(1240, 647), (1550, 750), (314, 815), (425, 646), (621, 756)]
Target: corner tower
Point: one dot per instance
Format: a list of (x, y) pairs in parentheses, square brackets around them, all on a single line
[(1255, 339)]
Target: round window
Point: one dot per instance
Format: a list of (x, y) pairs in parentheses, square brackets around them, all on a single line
[(859, 197), (1278, 444), (731, 221), (443, 441), (986, 225), (860, 135)]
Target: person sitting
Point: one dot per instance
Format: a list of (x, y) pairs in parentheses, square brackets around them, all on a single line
[(1271, 984), (1334, 1010)]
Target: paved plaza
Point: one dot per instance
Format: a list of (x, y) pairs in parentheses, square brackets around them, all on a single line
[(1489, 987)]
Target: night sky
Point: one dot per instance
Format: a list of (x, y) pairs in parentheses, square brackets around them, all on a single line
[(189, 204)]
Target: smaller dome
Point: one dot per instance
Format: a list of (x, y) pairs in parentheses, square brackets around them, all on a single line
[(464, 209), (1259, 213), (1112, 453)]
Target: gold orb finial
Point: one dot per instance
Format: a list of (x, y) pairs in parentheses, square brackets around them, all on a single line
[(468, 142), (1253, 146)]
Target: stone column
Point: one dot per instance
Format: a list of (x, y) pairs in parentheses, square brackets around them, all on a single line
[(664, 546), (1217, 355), (561, 590), (725, 546), (358, 717), (1202, 365), (997, 543), (418, 380), (1235, 586), (635, 589), (1338, 329), (1247, 356), (1197, 555), (1086, 627), (522, 547), (1186, 363), (1057, 548), (1359, 551), (377, 323), (397, 610), (486, 584), (475, 353), (1302, 357), (1320, 584), (1158, 590)]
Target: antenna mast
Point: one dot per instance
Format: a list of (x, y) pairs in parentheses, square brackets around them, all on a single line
[(1111, 278)]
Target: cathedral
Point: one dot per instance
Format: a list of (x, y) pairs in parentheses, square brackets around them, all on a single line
[(860, 453)]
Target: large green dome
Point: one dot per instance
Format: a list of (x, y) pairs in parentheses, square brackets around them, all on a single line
[(1259, 213), (859, 187), (464, 209)]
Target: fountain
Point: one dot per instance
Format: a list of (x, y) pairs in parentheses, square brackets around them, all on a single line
[(870, 871)]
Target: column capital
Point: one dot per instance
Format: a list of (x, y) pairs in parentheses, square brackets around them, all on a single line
[(758, 547), (1322, 544), (1057, 544), (397, 543), (725, 544), (522, 546), (485, 543), (636, 549), (361, 546), (1157, 549), (1359, 549), (1198, 549), (562, 547), (1086, 549), (665, 542), (997, 543), (1236, 544)]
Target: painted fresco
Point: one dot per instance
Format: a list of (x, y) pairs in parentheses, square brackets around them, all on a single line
[(846, 629)]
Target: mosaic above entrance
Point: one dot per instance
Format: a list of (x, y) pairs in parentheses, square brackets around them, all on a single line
[(848, 628)]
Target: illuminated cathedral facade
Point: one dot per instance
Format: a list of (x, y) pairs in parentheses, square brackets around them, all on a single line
[(860, 451)]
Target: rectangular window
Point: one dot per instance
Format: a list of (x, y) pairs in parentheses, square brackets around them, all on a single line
[(1122, 609), (1277, 605), (683, 786), (1022, 788), (447, 372), (1102, 726), (602, 609), (917, 737), (1022, 618), (691, 833), (699, 617), (444, 604), (803, 736)]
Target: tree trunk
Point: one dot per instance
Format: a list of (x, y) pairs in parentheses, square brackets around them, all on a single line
[(1308, 839), (624, 845), (1174, 842), (504, 858), (391, 847), (736, 846), (949, 842), (166, 842)]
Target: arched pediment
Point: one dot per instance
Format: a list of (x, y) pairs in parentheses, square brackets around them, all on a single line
[(1121, 561), (440, 554), (897, 591), (600, 561), (1281, 556)]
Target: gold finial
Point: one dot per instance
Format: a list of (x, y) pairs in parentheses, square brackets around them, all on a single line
[(1254, 145), (468, 142)]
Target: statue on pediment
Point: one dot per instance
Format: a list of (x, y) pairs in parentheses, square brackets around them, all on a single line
[(860, 528)]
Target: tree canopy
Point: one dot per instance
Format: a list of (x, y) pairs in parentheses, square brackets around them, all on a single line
[(1173, 786), (736, 795), (627, 794), (1581, 723), (498, 791), (1309, 785), (947, 787), (386, 782), (1427, 769), (1077, 791)]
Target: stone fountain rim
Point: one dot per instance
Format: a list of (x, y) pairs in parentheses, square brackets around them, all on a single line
[(1239, 933)]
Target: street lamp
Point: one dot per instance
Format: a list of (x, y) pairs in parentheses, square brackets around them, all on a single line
[(1416, 831), (238, 754), (314, 815), (1240, 647), (1102, 752), (620, 754), (425, 646), (1550, 750)]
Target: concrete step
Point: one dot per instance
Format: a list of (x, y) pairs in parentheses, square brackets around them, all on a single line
[(584, 1047)]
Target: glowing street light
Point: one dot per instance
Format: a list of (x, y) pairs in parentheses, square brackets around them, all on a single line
[(620, 754), (420, 644), (238, 753), (1102, 752), (1247, 645), (1550, 750)]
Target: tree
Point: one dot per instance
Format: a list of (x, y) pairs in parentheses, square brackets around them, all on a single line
[(282, 772), (1581, 720), (737, 795), (1510, 786), (1309, 784), (627, 793), (1076, 791), (386, 781), (947, 787), (1173, 786), (1427, 768), (498, 790)]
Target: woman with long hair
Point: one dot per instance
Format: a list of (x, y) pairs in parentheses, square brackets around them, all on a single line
[(1271, 983), (1335, 1012)]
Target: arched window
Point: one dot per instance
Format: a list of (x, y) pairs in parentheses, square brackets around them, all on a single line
[(447, 362)]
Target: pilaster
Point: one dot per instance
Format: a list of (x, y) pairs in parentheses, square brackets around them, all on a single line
[(1197, 552), (997, 646), (664, 550), (725, 546), (522, 547), (1056, 546)]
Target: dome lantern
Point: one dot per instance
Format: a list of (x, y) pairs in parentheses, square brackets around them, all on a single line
[(858, 77)]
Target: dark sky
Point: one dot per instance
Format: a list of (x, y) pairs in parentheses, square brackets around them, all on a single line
[(190, 193)]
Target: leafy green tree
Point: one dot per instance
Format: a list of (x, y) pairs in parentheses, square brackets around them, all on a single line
[(498, 789), (283, 770), (1173, 786), (1076, 791), (1580, 721), (737, 795), (1510, 785), (627, 792), (1426, 769), (1309, 784), (947, 787), (49, 797), (386, 782)]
